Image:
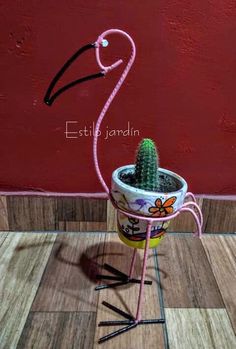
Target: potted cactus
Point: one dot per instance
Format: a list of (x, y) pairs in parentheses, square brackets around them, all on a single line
[(147, 190)]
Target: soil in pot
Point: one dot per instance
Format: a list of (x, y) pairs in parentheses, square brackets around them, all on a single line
[(165, 182)]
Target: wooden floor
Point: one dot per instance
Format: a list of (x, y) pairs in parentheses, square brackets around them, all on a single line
[(48, 299)]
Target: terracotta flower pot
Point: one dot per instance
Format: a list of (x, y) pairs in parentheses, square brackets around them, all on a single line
[(132, 231)]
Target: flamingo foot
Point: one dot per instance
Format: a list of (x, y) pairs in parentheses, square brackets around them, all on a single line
[(130, 321)]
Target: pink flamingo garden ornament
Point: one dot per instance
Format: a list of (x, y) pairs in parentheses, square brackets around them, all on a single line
[(189, 204)]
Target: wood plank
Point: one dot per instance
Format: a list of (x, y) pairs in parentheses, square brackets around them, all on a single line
[(219, 216), (185, 221), (91, 226), (111, 217), (125, 297), (82, 226), (58, 331), (187, 278), (221, 252), (199, 328), (28, 213), (3, 236), (82, 209), (69, 279), (3, 214), (23, 258)]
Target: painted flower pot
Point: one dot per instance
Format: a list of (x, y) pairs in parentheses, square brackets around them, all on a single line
[(155, 204)]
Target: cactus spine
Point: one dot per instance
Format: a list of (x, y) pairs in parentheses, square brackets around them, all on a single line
[(146, 165)]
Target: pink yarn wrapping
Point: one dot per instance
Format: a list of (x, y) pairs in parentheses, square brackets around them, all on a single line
[(112, 95), (145, 257)]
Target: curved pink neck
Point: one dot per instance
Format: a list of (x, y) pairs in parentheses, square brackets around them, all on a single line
[(106, 69)]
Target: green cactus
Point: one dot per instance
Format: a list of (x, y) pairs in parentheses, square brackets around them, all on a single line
[(146, 165)]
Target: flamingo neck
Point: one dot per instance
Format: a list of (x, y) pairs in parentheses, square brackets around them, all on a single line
[(106, 69)]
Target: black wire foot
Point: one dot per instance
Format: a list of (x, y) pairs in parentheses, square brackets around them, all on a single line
[(130, 322), (121, 278)]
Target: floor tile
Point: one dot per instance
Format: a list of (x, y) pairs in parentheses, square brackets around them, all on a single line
[(199, 329), (58, 331), (3, 236), (221, 252), (69, 279), (23, 258), (3, 213), (186, 275)]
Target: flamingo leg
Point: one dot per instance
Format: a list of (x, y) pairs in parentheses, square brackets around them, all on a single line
[(131, 271), (130, 321), (144, 268)]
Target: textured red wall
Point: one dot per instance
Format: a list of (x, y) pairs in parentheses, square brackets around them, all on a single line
[(180, 92)]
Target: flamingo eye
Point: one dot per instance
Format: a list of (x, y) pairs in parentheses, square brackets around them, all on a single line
[(105, 43)]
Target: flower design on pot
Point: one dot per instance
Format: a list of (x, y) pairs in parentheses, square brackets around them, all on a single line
[(162, 209), (132, 231), (132, 227)]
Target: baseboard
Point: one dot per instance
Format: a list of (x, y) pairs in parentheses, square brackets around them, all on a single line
[(43, 213)]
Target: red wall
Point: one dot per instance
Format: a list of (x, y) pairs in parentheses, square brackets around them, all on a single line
[(180, 92)]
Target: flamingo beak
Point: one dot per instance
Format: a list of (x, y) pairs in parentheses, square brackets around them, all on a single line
[(49, 97)]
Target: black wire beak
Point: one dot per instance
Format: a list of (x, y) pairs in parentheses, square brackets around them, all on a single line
[(49, 99)]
